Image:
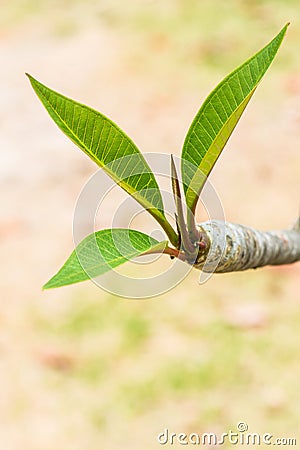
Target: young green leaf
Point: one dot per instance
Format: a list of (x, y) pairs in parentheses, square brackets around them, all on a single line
[(217, 118), (184, 237), (102, 251), (106, 144)]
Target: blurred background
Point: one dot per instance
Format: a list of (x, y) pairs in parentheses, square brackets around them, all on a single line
[(83, 369)]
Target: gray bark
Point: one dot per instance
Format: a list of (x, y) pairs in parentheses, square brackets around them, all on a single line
[(234, 247)]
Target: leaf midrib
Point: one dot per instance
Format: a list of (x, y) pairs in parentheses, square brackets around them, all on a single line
[(208, 100), (128, 189), (207, 154), (131, 255)]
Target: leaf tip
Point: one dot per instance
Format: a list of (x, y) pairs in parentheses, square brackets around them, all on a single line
[(29, 76), (34, 83), (52, 283), (284, 29), (47, 285), (32, 80)]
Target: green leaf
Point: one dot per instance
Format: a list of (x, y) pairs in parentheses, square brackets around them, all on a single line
[(106, 144), (217, 118), (102, 251)]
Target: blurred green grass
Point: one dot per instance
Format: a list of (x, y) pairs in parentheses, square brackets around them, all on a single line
[(225, 358), (216, 34)]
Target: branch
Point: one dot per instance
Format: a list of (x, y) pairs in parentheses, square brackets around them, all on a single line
[(234, 247)]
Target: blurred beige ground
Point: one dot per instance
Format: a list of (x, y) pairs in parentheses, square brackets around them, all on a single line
[(79, 368)]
